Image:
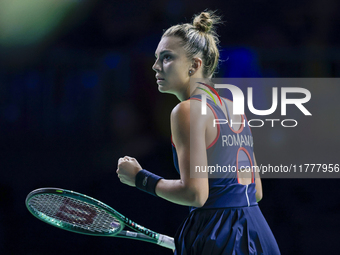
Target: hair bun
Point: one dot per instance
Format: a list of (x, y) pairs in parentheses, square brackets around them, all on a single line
[(204, 22)]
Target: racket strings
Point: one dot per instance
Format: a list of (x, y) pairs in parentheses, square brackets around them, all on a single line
[(73, 213)]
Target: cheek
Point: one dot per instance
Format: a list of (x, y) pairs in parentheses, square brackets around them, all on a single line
[(177, 72), (181, 71)]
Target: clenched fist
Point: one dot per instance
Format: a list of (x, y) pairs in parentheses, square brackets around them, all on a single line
[(127, 170)]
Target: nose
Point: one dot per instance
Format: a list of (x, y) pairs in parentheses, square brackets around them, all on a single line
[(156, 67)]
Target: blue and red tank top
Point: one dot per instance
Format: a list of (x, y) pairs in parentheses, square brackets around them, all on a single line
[(230, 151)]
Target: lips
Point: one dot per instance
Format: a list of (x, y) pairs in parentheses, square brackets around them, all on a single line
[(159, 78)]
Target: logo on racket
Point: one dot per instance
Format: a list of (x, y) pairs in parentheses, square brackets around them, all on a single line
[(74, 213)]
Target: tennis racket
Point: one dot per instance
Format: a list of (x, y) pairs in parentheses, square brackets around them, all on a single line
[(82, 214)]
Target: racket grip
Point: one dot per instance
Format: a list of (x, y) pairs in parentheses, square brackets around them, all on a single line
[(166, 241)]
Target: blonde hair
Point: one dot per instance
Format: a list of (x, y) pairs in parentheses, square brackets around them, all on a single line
[(200, 40)]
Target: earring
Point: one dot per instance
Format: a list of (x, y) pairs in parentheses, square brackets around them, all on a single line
[(190, 71)]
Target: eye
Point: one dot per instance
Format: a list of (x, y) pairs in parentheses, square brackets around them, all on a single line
[(167, 57)]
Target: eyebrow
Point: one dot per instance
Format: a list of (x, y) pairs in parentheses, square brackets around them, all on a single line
[(163, 52)]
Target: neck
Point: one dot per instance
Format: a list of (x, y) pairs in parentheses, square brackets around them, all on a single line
[(191, 89)]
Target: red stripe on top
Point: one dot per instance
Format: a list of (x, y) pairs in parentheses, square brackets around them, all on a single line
[(172, 142), (251, 163), (213, 90)]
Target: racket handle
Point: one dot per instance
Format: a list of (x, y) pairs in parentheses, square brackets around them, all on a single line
[(166, 241)]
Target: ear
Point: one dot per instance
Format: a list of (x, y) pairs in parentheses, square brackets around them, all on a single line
[(196, 65)]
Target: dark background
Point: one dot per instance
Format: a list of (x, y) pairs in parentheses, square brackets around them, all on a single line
[(79, 92)]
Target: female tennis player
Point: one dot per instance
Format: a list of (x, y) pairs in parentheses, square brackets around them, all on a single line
[(224, 215)]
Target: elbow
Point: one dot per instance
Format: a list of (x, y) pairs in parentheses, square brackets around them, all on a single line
[(258, 196), (198, 199), (199, 203), (195, 195)]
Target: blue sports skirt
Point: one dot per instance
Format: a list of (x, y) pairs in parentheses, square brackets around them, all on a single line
[(228, 231)]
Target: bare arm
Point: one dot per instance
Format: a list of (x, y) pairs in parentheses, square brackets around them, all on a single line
[(185, 191)]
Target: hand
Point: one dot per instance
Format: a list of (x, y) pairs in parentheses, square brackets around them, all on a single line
[(127, 170)]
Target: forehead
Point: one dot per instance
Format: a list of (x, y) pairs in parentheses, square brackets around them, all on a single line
[(171, 43)]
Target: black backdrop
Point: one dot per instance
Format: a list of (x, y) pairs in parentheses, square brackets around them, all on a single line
[(74, 102)]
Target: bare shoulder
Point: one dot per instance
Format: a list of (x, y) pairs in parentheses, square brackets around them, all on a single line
[(184, 110), (180, 109), (180, 123), (186, 119)]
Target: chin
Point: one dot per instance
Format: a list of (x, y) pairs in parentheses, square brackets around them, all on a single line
[(163, 89)]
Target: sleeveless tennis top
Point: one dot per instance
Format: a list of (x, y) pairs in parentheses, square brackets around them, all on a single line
[(230, 151)]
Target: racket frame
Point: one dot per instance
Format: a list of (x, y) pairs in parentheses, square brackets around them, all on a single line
[(142, 233)]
